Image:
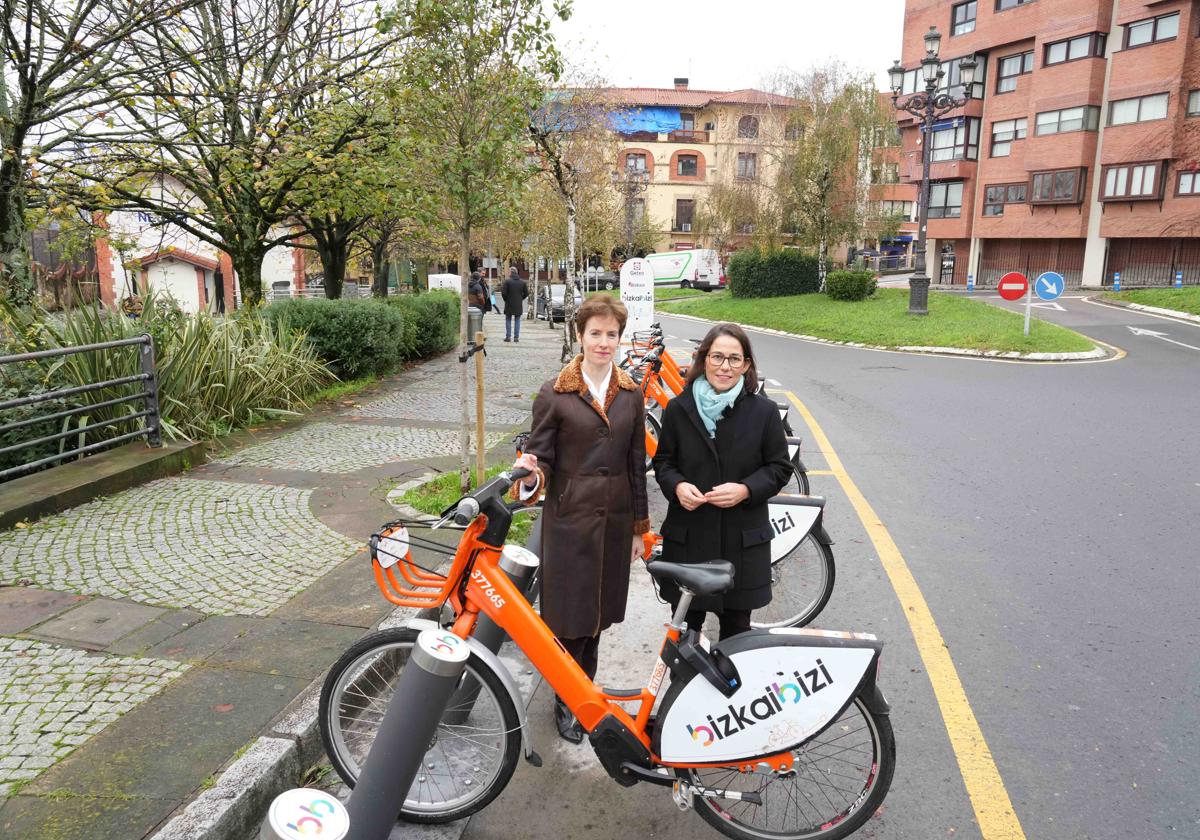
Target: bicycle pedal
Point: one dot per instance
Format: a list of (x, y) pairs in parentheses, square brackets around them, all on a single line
[(681, 792)]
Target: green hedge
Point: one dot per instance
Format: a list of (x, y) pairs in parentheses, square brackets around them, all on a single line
[(360, 337), (758, 274), (850, 284), (21, 380)]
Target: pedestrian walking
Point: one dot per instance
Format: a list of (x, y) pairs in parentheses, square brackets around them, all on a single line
[(587, 448), (477, 293), (513, 293), (721, 455)]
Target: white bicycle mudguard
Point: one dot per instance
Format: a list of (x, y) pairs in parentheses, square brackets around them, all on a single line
[(794, 684), (792, 517)]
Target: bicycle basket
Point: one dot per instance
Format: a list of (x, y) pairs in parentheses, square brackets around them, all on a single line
[(403, 581)]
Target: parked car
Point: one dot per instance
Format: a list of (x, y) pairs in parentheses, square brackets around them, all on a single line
[(550, 301), (697, 268), (596, 279)]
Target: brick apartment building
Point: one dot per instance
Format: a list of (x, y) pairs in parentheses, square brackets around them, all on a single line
[(1079, 150)]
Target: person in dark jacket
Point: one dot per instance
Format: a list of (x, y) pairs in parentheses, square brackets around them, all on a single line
[(587, 448), (721, 455), (478, 294), (513, 292)]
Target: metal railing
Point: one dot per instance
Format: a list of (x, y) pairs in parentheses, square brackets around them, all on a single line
[(146, 379)]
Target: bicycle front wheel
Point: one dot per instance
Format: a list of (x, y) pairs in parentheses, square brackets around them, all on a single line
[(798, 484), (838, 781), (653, 433), (801, 583), (472, 755)]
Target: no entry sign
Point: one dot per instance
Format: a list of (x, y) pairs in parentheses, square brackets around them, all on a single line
[(1013, 285)]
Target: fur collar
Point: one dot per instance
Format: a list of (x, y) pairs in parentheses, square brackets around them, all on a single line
[(570, 381)]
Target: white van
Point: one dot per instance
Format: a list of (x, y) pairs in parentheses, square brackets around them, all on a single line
[(699, 268), (446, 281)]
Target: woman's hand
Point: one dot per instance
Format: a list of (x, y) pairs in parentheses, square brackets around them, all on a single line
[(527, 461), (689, 495), (638, 547), (727, 495)]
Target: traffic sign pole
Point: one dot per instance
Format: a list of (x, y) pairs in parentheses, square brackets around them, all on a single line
[(1028, 306)]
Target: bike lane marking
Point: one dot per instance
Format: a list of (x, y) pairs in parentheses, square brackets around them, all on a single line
[(989, 798)]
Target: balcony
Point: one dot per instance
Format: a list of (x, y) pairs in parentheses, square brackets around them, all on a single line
[(687, 135), (681, 227)]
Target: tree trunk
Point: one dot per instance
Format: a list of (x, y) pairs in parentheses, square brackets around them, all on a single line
[(464, 380), (333, 249), (568, 350), (379, 266), (248, 265), (16, 284)]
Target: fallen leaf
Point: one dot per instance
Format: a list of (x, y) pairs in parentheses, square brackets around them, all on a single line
[(223, 707)]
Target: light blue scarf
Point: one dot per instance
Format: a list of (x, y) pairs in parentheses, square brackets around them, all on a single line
[(712, 405)]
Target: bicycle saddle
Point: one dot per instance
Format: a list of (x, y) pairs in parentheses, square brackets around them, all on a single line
[(697, 578)]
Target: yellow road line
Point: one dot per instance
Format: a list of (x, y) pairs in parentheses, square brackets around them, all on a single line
[(989, 798), (821, 472)]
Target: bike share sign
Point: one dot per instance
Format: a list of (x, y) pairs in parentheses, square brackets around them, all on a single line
[(637, 293)]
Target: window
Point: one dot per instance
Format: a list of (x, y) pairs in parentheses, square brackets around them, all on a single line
[(995, 196), (1059, 186), (1193, 106), (635, 162), (1081, 118), (951, 79), (1132, 181), (962, 18), (747, 165), (903, 209), (1138, 109), (1189, 184), (1081, 46), (886, 173), (1151, 30), (958, 140), (686, 165), (1001, 5), (1006, 131), (945, 200), (746, 228), (748, 127), (1012, 66), (687, 122), (685, 209), (794, 131)]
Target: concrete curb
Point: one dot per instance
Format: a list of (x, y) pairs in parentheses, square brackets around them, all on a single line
[(1173, 314), (1096, 352)]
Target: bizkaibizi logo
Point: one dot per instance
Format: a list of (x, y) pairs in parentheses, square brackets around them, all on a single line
[(770, 703)]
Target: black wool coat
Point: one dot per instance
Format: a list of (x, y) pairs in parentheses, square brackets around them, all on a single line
[(592, 459), (749, 449), (513, 293)]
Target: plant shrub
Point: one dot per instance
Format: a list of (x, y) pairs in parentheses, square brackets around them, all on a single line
[(758, 274), (432, 319), (850, 284), (354, 337), (22, 379)]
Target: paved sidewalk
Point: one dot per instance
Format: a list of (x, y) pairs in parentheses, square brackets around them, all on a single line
[(148, 637)]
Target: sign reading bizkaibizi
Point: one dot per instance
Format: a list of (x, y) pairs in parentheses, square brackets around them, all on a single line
[(637, 293)]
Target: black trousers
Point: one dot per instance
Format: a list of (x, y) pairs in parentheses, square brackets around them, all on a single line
[(732, 621), (586, 651)]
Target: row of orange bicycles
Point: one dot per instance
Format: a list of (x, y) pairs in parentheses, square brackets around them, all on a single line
[(780, 732)]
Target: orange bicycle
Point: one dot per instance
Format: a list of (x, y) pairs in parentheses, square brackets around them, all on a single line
[(782, 733)]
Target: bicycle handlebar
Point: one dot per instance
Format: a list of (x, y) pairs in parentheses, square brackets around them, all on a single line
[(468, 507)]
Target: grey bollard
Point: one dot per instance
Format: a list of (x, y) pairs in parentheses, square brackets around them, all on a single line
[(425, 685), (519, 564), (302, 813)]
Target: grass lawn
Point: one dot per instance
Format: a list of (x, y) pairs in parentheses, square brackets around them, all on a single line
[(1181, 300), (668, 293), (435, 496), (883, 321)]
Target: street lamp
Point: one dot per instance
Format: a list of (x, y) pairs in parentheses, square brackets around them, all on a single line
[(927, 106), (634, 182)]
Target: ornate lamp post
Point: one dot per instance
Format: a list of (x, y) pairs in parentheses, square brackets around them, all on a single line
[(634, 182), (927, 106)]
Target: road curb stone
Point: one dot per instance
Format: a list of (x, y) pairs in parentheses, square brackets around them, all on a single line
[(1173, 314)]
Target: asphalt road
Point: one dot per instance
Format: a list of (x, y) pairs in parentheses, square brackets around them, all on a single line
[(1048, 514)]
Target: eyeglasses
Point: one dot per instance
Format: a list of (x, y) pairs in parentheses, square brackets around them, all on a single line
[(719, 359)]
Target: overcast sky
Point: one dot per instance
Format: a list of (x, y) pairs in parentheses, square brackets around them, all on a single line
[(728, 44)]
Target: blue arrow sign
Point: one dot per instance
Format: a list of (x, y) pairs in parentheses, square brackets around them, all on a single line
[(1049, 285)]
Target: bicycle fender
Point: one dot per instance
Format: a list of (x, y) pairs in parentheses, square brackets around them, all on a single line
[(792, 519), (493, 662)]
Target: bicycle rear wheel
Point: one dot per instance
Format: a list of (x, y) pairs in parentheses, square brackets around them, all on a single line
[(798, 484), (472, 755), (801, 583), (653, 431), (838, 781)]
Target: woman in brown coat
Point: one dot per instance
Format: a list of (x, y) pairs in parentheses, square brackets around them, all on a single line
[(587, 446)]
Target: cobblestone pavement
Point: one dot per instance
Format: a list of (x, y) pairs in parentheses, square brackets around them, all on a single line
[(52, 699), (441, 406), (223, 548), (341, 448)]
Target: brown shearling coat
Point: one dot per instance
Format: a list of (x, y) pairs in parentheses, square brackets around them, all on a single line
[(593, 462)]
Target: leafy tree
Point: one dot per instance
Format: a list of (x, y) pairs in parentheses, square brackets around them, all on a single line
[(469, 81), (66, 64)]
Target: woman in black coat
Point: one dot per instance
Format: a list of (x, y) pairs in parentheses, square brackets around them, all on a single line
[(721, 455)]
